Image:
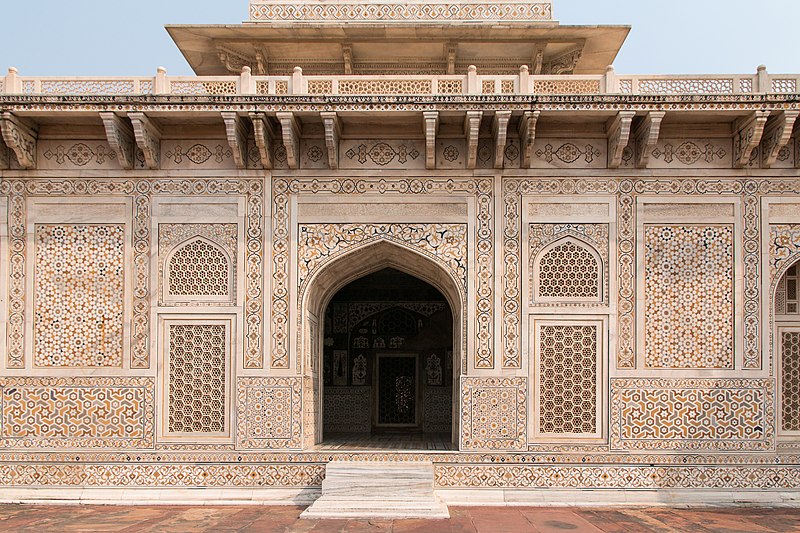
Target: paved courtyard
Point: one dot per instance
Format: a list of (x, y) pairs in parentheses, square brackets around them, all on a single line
[(45, 519)]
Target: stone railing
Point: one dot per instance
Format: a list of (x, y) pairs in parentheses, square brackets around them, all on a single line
[(470, 84)]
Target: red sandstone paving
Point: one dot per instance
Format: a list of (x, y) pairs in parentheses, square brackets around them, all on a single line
[(246, 519)]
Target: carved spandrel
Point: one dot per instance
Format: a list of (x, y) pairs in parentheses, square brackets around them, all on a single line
[(777, 135), (264, 133), (121, 139), (21, 138), (619, 132), (500, 134), (472, 127), (646, 137), (237, 132), (431, 129), (333, 132), (749, 132), (148, 139), (290, 131)]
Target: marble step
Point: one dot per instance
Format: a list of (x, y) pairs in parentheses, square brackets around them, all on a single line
[(357, 489)]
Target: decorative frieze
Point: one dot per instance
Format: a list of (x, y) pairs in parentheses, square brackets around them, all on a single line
[(75, 413), (692, 414)]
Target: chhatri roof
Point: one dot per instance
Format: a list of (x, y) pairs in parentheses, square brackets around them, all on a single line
[(399, 37)]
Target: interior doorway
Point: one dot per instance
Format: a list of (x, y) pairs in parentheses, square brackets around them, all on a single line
[(388, 364)]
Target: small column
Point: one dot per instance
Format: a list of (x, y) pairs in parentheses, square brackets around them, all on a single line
[(524, 80), (297, 81), (472, 80), (246, 84), (13, 83), (162, 84), (763, 85), (612, 82)]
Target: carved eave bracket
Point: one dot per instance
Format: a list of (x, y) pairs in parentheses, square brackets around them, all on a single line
[(747, 137), (527, 136), (264, 134), (21, 138), (500, 135), (237, 132), (472, 129), (148, 138), (431, 119), (776, 136), (619, 133), (121, 139), (290, 130), (333, 132), (646, 137)]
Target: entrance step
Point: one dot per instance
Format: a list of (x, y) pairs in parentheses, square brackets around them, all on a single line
[(360, 489)]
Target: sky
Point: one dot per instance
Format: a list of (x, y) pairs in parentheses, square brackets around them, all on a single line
[(119, 38)]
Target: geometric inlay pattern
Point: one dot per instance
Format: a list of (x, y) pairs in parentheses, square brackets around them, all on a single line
[(198, 269), (202, 263), (688, 277), (790, 380), (493, 413), (569, 270), (197, 378), (76, 412), (79, 289), (695, 414), (568, 378), (270, 413)]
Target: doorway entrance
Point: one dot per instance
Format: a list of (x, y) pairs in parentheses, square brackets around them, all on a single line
[(387, 364)]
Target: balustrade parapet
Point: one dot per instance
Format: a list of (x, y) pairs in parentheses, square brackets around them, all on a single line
[(471, 83)]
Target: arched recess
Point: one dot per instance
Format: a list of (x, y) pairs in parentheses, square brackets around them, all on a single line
[(204, 275), (346, 268), (786, 345), (568, 270)]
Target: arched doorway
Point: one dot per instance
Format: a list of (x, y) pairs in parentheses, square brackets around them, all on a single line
[(385, 330), (787, 322)]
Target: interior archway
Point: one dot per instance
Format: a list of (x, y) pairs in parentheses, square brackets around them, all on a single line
[(403, 316), (787, 325)]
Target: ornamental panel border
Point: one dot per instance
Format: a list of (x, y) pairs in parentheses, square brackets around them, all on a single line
[(142, 191), (285, 189), (627, 192), (494, 413), (270, 412)]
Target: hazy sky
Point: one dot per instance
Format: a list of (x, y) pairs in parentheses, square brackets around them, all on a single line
[(114, 37)]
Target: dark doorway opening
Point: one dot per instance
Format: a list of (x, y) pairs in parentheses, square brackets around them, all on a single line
[(388, 365)]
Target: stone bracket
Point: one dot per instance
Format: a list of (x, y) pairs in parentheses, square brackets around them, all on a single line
[(749, 132), (619, 133), (472, 129), (265, 137), (148, 138), (290, 130), (500, 134), (646, 137), (333, 132), (21, 138), (121, 139), (527, 136), (237, 132), (431, 128), (776, 136)]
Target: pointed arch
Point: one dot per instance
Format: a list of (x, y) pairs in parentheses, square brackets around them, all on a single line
[(198, 270), (568, 270), (356, 263)]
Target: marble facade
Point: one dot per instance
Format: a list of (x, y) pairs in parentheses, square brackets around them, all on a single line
[(619, 253)]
